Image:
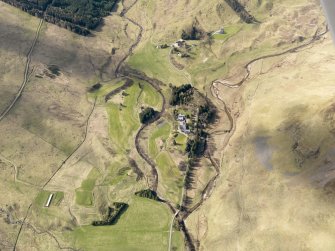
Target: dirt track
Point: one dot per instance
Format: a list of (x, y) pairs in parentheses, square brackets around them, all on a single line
[(25, 74), (119, 72), (206, 193), (126, 72), (315, 38), (58, 169)]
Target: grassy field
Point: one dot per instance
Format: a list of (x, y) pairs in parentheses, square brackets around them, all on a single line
[(251, 208), (155, 63), (121, 181), (124, 114), (274, 152), (181, 138), (150, 97), (124, 121), (170, 177), (84, 196), (42, 198), (116, 172), (161, 133), (169, 174), (105, 89), (229, 32), (144, 226)]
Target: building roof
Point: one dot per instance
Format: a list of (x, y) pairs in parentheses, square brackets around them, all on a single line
[(181, 117), (49, 200)]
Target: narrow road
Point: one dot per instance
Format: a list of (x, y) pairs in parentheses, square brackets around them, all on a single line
[(12, 104), (206, 193), (18, 95), (58, 169), (26, 73), (315, 38), (170, 231), (175, 215), (119, 72), (77, 148), (154, 83)]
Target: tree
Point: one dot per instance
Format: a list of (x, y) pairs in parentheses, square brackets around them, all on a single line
[(206, 114), (197, 146), (192, 33), (95, 87), (147, 115), (181, 95), (148, 194), (79, 16), (113, 214)]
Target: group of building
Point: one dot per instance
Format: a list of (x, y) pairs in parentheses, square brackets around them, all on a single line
[(183, 124)]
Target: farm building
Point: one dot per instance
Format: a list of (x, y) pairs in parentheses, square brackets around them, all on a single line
[(220, 31), (180, 43), (182, 124), (49, 200)]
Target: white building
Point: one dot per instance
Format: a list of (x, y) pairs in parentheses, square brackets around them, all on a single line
[(180, 43), (181, 117), (182, 124), (49, 200), (220, 32)]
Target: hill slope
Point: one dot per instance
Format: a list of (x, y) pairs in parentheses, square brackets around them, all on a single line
[(73, 129)]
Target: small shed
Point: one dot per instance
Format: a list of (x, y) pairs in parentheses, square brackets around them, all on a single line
[(180, 43), (220, 32), (49, 200)]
